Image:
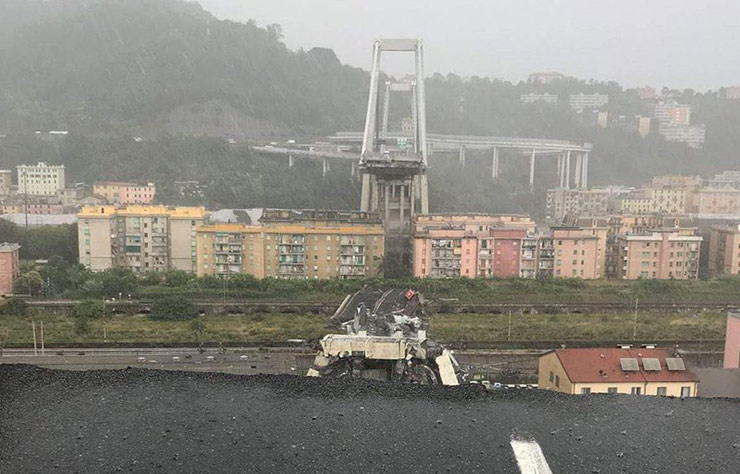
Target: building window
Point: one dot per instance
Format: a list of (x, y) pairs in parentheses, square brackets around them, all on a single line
[(557, 381), (585, 390), (636, 390), (662, 391), (552, 377), (611, 390), (685, 391)]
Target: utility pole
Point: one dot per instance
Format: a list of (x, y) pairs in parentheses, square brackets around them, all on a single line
[(42, 338), (634, 329), (25, 195), (508, 336), (33, 326)]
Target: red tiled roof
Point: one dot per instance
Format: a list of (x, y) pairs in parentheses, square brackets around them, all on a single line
[(603, 365)]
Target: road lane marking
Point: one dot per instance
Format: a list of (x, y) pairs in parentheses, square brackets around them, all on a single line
[(529, 457)]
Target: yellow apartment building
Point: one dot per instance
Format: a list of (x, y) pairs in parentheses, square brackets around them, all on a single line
[(645, 371), (294, 245), (140, 238)]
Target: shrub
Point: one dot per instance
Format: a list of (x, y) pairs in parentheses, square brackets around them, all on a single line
[(173, 307), (82, 325), (14, 307), (88, 309)]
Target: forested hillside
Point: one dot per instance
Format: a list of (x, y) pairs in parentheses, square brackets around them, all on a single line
[(168, 71)]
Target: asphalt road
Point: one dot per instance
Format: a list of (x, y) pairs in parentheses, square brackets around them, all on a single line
[(145, 421), (245, 361)]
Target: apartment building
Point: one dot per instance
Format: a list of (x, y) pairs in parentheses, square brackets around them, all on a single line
[(140, 238), (692, 135), (657, 254), (732, 92), (294, 245), (644, 371), (637, 202), (724, 250), (724, 202), (596, 227), (562, 202), (469, 245), (9, 267), (545, 77), (116, 192), (533, 98), (642, 124), (40, 179), (6, 182), (724, 180), (575, 253), (581, 102), (671, 112)]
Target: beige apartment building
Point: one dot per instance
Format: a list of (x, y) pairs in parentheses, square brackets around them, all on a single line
[(724, 250), (294, 245), (644, 371), (6, 182), (140, 238), (658, 254), (40, 179)]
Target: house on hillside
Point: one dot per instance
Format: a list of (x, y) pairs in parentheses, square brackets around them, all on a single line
[(645, 371)]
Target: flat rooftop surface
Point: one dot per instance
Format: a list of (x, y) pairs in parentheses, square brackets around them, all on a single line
[(139, 420)]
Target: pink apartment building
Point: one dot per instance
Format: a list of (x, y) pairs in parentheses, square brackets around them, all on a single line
[(732, 342), (124, 193), (472, 245), (9, 267)]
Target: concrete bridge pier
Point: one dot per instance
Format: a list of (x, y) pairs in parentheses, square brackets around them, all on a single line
[(462, 156), (496, 170), (291, 161), (584, 171), (579, 172), (324, 166), (531, 168), (567, 169)]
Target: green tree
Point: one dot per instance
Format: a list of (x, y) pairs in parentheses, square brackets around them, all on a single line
[(89, 309)]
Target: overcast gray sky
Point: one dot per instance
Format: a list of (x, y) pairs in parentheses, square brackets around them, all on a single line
[(675, 43)]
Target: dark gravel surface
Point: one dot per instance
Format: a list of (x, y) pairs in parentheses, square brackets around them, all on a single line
[(139, 420)]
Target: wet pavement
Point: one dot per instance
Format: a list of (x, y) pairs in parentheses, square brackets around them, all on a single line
[(139, 420)]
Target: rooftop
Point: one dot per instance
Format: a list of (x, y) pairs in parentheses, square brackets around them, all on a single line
[(9, 247), (169, 211), (602, 365)]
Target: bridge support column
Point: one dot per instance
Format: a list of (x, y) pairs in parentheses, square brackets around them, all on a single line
[(401, 199), (567, 170), (462, 156), (412, 195), (324, 166), (424, 191), (291, 163), (495, 171), (579, 172), (584, 171), (561, 169), (531, 168), (365, 196)]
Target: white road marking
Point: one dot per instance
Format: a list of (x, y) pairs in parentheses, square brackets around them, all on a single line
[(529, 457)]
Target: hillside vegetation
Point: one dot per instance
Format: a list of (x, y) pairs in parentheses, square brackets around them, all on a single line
[(170, 72)]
